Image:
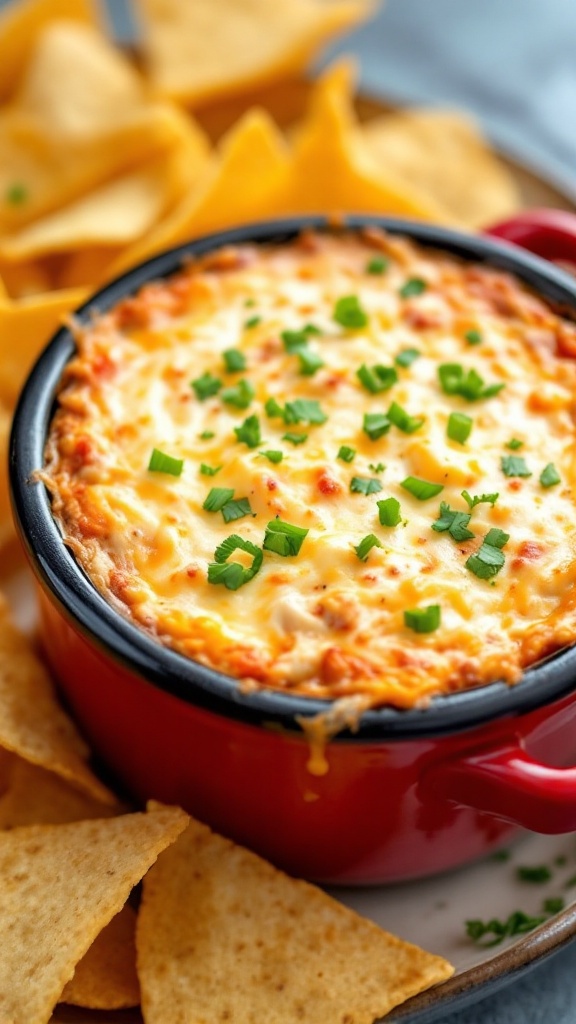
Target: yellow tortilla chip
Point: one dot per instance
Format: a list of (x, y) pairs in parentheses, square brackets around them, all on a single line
[(84, 269), (105, 978), (61, 885), (25, 327), (222, 931), (332, 172), (32, 723), (24, 279), (240, 185), (81, 117), (20, 25), (34, 796), (204, 49), (7, 532), (443, 154)]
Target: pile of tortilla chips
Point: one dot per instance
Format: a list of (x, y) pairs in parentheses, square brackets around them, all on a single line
[(107, 158)]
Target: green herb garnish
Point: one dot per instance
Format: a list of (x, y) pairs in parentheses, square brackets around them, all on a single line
[(553, 905), (400, 418), (284, 538), (459, 427), (249, 432), (310, 362), (375, 424), (365, 546), (345, 453), (549, 476), (414, 286), (233, 575), (349, 313), (488, 560), (206, 386), (376, 467), (217, 497), (389, 512), (240, 395), (236, 509), (514, 465), (479, 499), (454, 380), (518, 923), (273, 455), (304, 410), (273, 408), (234, 360), (421, 489), (365, 485), (295, 340), (539, 874), (454, 523), (206, 435), (377, 378), (406, 357), (473, 337), (514, 444), (253, 322), (209, 470), (162, 463), (295, 438), (377, 265), (423, 620), (16, 194)]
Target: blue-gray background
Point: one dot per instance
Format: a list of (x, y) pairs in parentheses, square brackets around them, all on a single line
[(513, 63)]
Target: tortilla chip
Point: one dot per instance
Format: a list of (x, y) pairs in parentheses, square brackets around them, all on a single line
[(32, 723), (81, 117), (61, 885), (20, 25), (25, 327), (34, 796), (222, 931), (7, 532), (24, 279), (443, 154), (331, 172), (105, 978), (239, 186), (198, 51)]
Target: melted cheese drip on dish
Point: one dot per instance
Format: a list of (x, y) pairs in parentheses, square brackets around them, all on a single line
[(324, 623)]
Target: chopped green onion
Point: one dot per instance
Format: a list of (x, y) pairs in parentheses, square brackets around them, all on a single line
[(518, 923), (454, 380), (236, 509), (423, 620), (400, 418), (421, 489), (377, 378), (253, 322), (488, 560), (16, 194), (349, 313), (539, 874), (217, 497), (514, 465), (553, 905), (249, 432), (233, 575), (455, 523), (514, 444), (365, 485), (249, 302), (284, 538), (389, 512), (240, 395), (345, 453), (310, 361), (473, 337), (414, 286), (549, 476), (234, 360), (406, 357), (459, 427), (304, 410), (480, 499), (376, 467), (375, 424), (273, 408), (365, 546), (377, 265), (273, 455), (209, 470), (295, 438), (206, 386), (206, 435), (161, 463), (295, 340)]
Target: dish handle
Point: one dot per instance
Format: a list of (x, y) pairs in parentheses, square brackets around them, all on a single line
[(548, 233), (507, 783)]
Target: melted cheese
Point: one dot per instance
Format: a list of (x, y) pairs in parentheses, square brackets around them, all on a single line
[(323, 622)]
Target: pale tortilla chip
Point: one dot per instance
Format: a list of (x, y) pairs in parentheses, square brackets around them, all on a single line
[(105, 978), (239, 186), (25, 327), (442, 153), (81, 117), (25, 279), (32, 723), (61, 885), (20, 25), (7, 532), (331, 171), (222, 935), (34, 796), (199, 50)]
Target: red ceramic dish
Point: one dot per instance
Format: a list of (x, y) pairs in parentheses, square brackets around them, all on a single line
[(409, 793)]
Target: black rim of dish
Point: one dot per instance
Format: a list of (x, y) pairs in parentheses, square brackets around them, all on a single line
[(92, 616)]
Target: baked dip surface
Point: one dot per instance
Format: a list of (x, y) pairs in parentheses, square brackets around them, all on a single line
[(339, 466)]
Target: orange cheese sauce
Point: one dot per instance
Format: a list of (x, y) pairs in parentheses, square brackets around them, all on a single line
[(324, 622)]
